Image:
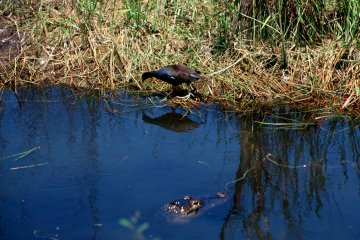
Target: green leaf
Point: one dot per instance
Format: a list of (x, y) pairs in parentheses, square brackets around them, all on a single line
[(122, 11), (142, 228), (126, 223)]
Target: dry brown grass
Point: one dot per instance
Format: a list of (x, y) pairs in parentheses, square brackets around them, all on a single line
[(56, 45)]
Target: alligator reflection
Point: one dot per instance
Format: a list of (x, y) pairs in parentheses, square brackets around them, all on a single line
[(295, 185), (173, 121)]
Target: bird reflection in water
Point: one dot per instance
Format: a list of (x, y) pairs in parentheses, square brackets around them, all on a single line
[(173, 121)]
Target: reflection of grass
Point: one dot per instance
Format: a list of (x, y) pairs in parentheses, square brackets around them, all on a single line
[(137, 229)]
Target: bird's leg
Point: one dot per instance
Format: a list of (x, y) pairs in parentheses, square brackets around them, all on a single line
[(173, 89), (188, 89), (186, 97)]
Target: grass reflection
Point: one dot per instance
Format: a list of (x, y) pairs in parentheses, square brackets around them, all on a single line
[(286, 177)]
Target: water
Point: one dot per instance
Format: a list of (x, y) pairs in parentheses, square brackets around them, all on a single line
[(99, 162)]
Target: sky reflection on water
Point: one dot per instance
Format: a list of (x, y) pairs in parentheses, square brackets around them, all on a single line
[(103, 166)]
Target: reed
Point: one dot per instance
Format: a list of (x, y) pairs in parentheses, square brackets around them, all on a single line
[(254, 52)]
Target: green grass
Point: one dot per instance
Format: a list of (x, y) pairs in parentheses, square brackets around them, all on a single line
[(250, 52)]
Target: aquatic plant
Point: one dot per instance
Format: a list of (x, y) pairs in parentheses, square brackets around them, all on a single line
[(137, 229), (249, 52)]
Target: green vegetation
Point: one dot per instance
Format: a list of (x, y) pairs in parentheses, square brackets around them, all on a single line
[(136, 229), (304, 53)]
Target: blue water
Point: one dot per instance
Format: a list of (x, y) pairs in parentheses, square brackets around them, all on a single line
[(92, 162)]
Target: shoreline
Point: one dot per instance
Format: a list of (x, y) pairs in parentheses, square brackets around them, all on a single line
[(108, 47)]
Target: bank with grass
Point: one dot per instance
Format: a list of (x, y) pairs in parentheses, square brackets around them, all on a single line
[(250, 53)]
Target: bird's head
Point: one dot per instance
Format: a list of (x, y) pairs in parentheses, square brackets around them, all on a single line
[(146, 75)]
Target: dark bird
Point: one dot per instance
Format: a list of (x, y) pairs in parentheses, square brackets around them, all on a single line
[(175, 74)]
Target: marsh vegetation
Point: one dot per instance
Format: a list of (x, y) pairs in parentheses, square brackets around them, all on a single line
[(303, 53)]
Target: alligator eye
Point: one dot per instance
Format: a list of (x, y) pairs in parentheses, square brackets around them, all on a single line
[(196, 203)]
